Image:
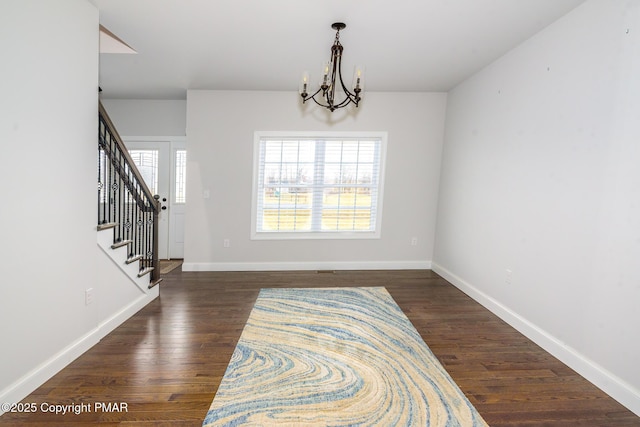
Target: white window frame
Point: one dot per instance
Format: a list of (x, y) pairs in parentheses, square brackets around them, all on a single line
[(339, 234)]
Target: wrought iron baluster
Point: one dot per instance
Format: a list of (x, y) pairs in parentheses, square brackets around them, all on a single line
[(114, 198), (137, 236), (109, 181), (150, 239), (127, 220), (100, 185), (145, 263), (121, 202)]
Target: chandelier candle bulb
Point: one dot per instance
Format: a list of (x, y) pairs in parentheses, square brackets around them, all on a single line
[(325, 74), (304, 84), (358, 78)]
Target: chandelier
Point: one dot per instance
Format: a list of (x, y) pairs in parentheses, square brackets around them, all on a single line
[(332, 76)]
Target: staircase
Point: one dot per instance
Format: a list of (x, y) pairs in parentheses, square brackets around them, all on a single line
[(127, 211)]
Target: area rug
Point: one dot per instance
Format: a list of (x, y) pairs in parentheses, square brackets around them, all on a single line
[(335, 357)]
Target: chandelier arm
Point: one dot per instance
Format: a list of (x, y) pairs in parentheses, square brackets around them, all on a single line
[(313, 98), (344, 87), (349, 96), (320, 104), (336, 59), (345, 102), (313, 95)]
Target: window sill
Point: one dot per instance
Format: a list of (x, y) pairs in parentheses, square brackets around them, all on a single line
[(324, 235)]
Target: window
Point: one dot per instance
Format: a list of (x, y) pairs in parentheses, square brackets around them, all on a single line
[(180, 176), (320, 185), (147, 163)]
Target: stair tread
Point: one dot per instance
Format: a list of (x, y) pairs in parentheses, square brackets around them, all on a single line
[(107, 225), (133, 259), (121, 244), (145, 271), (155, 282)]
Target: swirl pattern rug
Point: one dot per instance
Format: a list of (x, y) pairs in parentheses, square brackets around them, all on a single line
[(335, 357)]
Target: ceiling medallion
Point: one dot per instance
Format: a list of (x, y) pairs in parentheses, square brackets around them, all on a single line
[(331, 72)]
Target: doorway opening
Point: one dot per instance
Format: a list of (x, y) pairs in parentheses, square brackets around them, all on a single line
[(162, 163)]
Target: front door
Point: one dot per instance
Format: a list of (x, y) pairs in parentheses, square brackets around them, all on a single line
[(163, 167)]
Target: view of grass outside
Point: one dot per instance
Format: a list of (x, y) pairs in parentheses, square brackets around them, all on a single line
[(310, 185), (344, 209)]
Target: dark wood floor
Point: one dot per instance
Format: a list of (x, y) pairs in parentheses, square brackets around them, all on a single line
[(166, 362)]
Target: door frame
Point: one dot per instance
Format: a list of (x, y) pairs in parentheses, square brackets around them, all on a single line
[(169, 144)]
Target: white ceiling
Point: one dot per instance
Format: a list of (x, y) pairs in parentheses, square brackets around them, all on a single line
[(405, 45)]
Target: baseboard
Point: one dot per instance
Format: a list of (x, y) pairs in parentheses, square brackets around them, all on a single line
[(42, 373), (289, 266), (614, 386)]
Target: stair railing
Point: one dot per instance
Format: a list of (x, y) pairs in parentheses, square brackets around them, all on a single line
[(125, 203)]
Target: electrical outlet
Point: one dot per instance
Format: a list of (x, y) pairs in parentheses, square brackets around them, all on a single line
[(88, 296), (226, 243), (414, 241), (508, 276)]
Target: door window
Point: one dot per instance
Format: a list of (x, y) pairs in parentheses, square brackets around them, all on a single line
[(147, 163)]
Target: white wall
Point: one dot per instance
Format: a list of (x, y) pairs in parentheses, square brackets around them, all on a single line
[(49, 111), (220, 131), (147, 117), (541, 176), (118, 291)]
